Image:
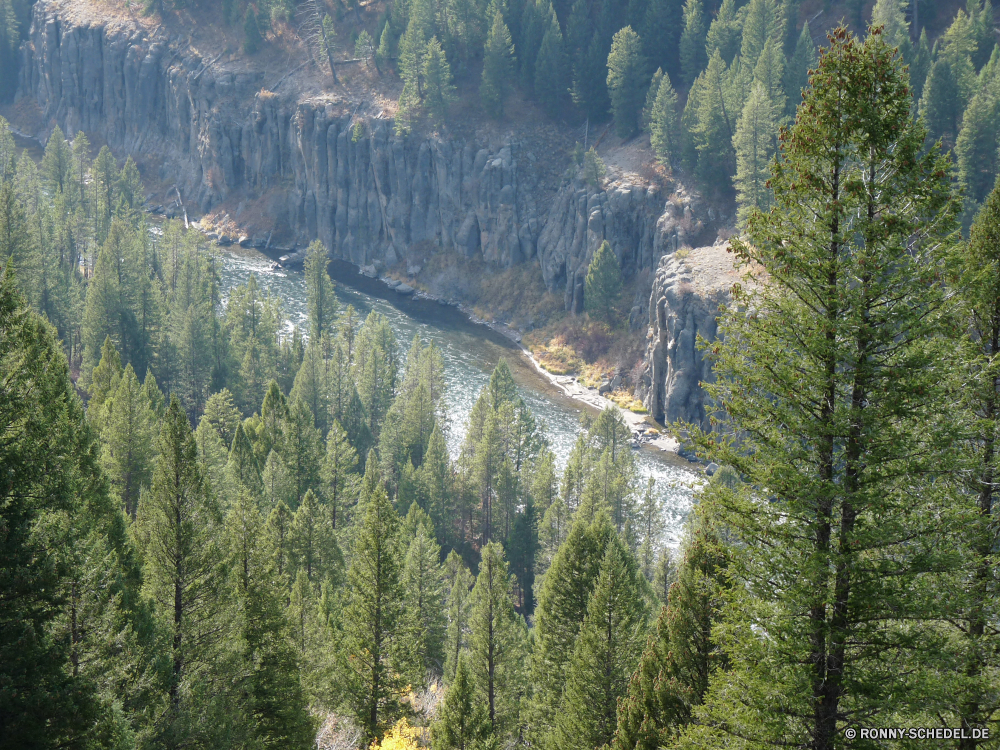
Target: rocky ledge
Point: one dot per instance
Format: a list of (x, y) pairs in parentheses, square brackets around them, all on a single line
[(688, 289)]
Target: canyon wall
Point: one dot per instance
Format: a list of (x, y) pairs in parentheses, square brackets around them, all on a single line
[(688, 289), (217, 131)]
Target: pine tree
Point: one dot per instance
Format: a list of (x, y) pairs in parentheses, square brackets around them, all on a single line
[(626, 76), (761, 25), (724, 33), (606, 653), (495, 653), (269, 687), (680, 654), (242, 469), (693, 57), (424, 599), (312, 386), (940, 106), (603, 285), (252, 39), (976, 148), (552, 69), (376, 367), (651, 92), (321, 299), (127, 440), (439, 90), (972, 682), (459, 603), (590, 90), (562, 605), (374, 610), (797, 70), (461, 720), (848, 337), (179, 525), (921, 65), (891, 16), (49, 458), (435, 478), (651, 527), (278, 539), (302, 450), (755, 145), (338, 474), (312, 546), (498, 67), (664, 124), (713, 127)]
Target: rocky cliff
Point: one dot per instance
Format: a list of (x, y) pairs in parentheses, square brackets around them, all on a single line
[(688, 289), (218, 131)]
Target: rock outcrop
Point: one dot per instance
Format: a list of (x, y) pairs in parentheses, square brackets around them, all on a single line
[(688, 290), (219, 132)]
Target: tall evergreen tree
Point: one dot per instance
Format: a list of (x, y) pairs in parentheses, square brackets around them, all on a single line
[(183, 557), (552, 69), (797, 70), (603, 285), (761, 25), (374, 611), (338, 474), (495, 649), (724, 33), (972, 687), (626, 79), (461, 721), (498, 67), (680, 654), (854, 287), (424, 603), (321, 300), (692, 46), (755, 145), (459, 603), (440, 91), (127, 440), (562, 605), (606, 653)]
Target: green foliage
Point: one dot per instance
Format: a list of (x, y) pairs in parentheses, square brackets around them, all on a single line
[(373, 616), (755, 145), (496, 645), (593, 169), (252, 40), (127, 440), (424, 599), (498, 67), (680, 654), (692, 46), (320, 296), (626, 76), (552, 69), (797, 71), (439, 90), (968, 689), (606, 652), (461, 721), (603, 285), (725, 33), (816, 330), (664, 124)]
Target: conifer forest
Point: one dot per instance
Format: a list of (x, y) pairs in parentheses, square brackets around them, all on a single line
[(222, 527)]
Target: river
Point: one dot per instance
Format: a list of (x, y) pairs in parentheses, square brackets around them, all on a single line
[(470, 352)]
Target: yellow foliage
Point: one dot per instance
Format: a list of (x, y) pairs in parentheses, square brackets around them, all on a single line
[(400, 737)]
